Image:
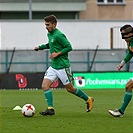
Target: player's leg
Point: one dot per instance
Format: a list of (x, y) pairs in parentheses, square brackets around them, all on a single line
[(66, 78), (70, 88), (89, 100), (127, 98), (48, 92), (49, 78), (128, 95)]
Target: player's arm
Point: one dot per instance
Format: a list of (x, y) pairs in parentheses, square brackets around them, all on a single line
[(131, 45), (54, 54), (41, 47), (66, 44), (126, 59)]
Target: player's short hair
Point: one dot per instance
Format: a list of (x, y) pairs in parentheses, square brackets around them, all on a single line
[(127, 28), (51, 18)]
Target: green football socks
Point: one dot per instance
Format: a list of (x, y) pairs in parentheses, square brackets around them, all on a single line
[(49, 97), (126, 100), (81, 94)]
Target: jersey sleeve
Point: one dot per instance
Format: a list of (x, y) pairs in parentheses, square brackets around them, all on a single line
[(128, 56), (131, 43), (44, 46), (66, 44)]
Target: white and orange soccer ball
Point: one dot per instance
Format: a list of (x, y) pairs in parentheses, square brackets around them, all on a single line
[(28, 110)]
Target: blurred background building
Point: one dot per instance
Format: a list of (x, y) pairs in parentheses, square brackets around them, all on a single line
[(67, 9)]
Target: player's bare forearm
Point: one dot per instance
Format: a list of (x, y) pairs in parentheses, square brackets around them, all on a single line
[(121, 65)]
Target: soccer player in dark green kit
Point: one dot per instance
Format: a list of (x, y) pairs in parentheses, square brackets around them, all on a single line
[(60, 65), (127, 34)]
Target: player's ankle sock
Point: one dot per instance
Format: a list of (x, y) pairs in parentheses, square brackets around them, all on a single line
[(81, 94), (49, 97), (126, 100)]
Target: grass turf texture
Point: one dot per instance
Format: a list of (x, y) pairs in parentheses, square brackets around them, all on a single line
[(71, 115)]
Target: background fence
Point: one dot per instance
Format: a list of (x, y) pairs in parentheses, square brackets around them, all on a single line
[(81, 61)]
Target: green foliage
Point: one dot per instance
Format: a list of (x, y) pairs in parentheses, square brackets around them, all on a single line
[(71, 115)]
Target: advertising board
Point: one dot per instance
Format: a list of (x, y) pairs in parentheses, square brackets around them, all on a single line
[(104, 80)]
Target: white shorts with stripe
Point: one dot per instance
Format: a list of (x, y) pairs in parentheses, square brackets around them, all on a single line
[(64, 75)]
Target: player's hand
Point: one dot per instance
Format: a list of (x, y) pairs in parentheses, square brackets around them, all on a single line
[(54, 54), (119, 67), (36, 48)]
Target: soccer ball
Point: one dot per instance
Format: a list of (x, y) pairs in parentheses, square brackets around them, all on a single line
[(28, 110)]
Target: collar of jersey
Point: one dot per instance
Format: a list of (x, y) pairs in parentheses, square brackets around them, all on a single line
[(52, 32)]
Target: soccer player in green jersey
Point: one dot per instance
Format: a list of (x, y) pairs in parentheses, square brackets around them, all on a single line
[(60, 65), (127, 34)]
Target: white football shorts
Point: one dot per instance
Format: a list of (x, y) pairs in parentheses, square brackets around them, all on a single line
[(64, 75)]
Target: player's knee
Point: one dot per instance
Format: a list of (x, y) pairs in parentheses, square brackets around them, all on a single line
[(129, 85), (45, 87), (128, 88)]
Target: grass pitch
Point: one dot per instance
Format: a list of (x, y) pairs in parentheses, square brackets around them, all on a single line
[(71, 115)]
